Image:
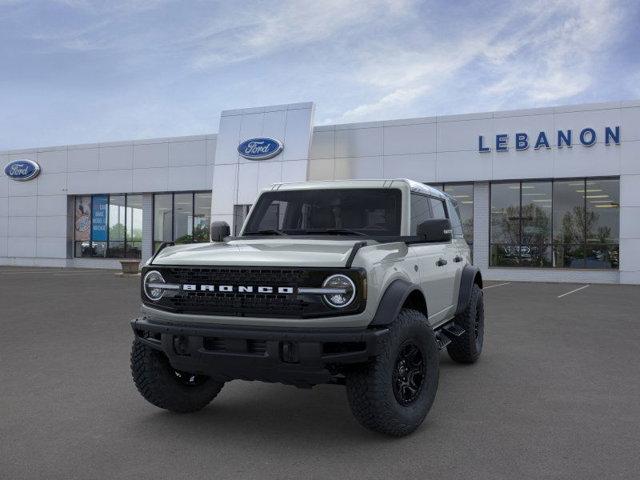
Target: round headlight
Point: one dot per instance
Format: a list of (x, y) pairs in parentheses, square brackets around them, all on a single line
[(151, 284), (344, 291)]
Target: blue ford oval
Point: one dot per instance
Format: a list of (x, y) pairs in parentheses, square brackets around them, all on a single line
[(22, 170), (260, 148)]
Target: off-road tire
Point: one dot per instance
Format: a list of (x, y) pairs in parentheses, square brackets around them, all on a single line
[(467, 347), (370, 388), (159, 384)]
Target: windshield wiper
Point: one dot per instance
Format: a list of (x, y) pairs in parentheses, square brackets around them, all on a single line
[(337, 231), (266, 232)]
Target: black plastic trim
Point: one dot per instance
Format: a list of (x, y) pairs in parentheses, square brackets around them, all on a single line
[(467, 279), (392, 301), (314, 356), (357, 246)]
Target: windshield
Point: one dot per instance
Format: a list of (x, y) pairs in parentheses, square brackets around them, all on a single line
[(358, 212)]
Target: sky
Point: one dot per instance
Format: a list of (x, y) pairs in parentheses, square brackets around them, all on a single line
[(80, 71)]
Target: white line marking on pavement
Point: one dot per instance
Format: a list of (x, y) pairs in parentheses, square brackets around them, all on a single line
[(496, 285), (573, 291)]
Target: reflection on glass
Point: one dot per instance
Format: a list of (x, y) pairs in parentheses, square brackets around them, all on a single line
[(563, 224), (603, 211), (117, 219), (183, 217), (535, 215), (134, 226), (201, 217), (568, 212), (162, 219)]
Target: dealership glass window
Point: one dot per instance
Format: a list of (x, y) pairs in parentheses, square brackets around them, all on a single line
[(182, 217), (505, 223), (108, 226), (134, 226), (201, 216), (563, 224), (117, 219)]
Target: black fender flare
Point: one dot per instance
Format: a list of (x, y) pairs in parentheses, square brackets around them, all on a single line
[(392, 301), (467, 279)]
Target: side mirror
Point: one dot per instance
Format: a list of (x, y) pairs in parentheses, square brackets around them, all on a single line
[(219, 230), (435, 230)]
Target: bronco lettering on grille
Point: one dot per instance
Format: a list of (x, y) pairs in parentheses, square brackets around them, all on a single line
[(190, 287)]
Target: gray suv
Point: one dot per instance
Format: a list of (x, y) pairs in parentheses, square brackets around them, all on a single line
[(355, 283)]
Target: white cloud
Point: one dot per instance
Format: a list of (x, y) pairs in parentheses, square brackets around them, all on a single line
[(258, 32), (543, 52), (554, 63)]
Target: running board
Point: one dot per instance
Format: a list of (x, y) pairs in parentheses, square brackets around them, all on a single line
[(442, 340), (447, 333), (452, 330)]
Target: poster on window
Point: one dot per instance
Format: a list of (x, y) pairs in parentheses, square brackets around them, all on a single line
[(83, 219), (99, 220)]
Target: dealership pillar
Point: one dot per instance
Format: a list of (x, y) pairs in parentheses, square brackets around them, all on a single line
[(237, 180)]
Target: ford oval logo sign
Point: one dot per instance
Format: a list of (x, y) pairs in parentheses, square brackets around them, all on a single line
[(22, 170), (260, 148)]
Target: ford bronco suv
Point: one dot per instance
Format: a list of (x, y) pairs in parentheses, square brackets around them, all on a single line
[(358, 283)]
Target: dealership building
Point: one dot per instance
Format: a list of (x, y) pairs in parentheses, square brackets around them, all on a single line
[(547, 194)]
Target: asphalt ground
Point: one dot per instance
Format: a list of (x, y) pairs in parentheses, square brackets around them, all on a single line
[(556, 394)]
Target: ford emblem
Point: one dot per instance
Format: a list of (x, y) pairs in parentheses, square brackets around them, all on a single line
[(260, 148), (22, 170)]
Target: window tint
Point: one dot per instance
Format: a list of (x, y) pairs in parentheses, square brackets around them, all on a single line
[(462, 194), (454, 216), (420, 211), (437, 208), (301, 212)]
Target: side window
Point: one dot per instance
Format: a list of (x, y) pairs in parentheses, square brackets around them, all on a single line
[(420, 211), (437, 206), (454, 215)]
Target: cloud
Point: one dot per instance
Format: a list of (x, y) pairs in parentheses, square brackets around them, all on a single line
[(555, 63), (541, 53)]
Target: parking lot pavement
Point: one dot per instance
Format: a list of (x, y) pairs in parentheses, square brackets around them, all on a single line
[(555, 395)]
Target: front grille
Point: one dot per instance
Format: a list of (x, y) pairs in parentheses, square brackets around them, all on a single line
[(291, 305)]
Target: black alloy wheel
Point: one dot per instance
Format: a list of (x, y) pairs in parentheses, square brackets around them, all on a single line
[(408, 373)]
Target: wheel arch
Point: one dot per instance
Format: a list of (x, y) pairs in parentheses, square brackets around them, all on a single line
[(399, 294), (470, 276)]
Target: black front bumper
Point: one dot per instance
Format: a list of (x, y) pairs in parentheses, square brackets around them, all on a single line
[(300, 357)]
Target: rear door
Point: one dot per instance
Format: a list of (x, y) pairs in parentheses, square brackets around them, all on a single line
[(448, 264)]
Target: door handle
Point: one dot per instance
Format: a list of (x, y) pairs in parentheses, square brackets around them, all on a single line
[(441, 262), (457, 258)]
